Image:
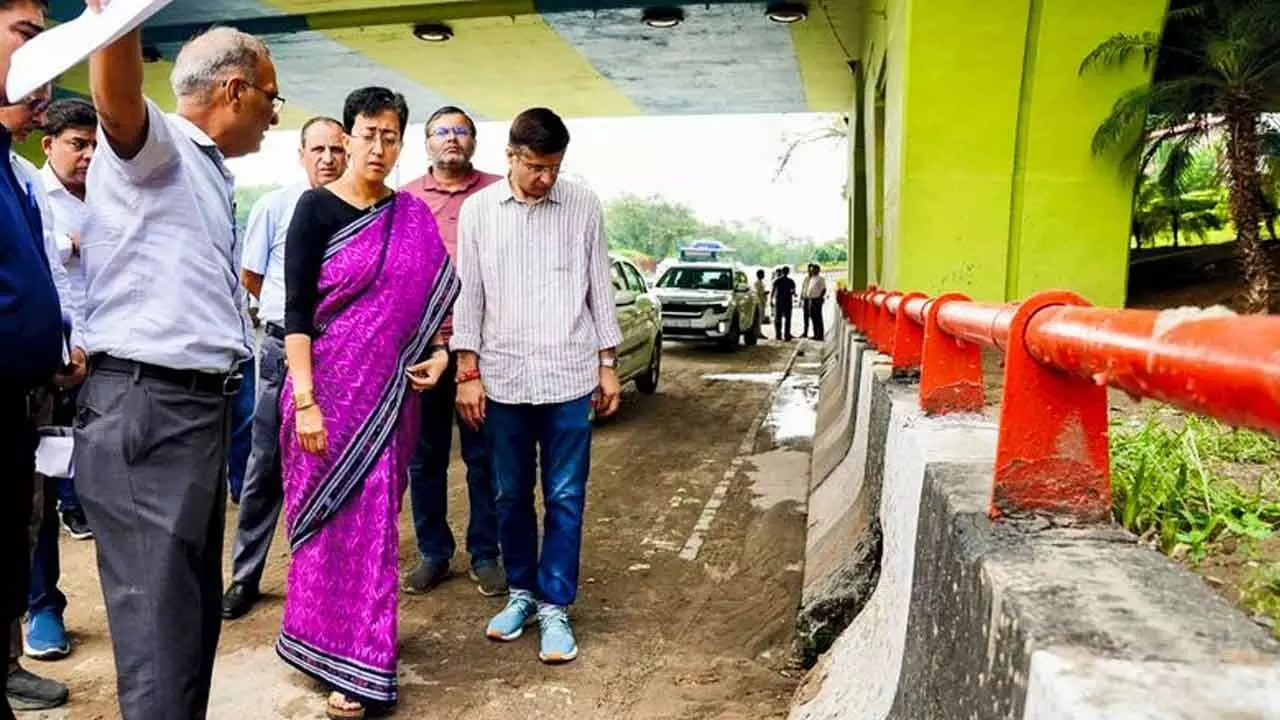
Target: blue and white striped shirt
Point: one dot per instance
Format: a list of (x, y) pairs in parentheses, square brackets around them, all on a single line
[(537, 302)]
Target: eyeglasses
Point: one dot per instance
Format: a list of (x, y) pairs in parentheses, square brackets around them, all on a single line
[(458, 132), (388, 139), (552, 170), (277, 102)]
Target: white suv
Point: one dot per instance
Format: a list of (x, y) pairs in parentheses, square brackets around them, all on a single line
[(709, 301)]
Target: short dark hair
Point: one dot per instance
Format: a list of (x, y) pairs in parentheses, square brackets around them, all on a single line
[(450, 110), (69, 113), (371, 102), (760, 273), (302, 136), (539, 130), (6, 4)]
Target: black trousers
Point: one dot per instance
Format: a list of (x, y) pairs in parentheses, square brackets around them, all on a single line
[(782, 321), (814, 316), (17, 476)]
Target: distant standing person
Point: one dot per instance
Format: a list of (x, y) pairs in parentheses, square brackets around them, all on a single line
[(323, 156), (784, 296), (815, 293), (536, 331), (804, 294), (762, 301), (451, 142)]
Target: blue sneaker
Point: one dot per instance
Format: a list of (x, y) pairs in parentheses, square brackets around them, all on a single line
[(46, 637), (558, 643), (509, 624)]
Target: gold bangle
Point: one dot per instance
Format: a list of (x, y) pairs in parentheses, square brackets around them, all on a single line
[(303, 400)]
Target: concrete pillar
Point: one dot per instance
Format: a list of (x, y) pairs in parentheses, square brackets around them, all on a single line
[(989, 186)]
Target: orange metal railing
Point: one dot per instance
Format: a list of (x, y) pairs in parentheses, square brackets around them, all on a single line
[(1060, 354)]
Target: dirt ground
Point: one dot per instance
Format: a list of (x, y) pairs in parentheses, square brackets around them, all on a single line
[(691, 574)]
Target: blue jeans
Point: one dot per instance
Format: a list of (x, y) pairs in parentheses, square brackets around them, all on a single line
[(428, 481), (42, 590), (241, 430), (516, 436)]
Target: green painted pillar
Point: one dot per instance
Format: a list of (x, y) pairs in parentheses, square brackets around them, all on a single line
[(856, 189), (988, 184), (1071, 210)]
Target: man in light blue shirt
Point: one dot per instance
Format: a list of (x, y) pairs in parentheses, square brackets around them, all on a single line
[(166, 333), (324, 157)]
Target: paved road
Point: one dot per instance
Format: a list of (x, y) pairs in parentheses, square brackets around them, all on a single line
[(691, 568)]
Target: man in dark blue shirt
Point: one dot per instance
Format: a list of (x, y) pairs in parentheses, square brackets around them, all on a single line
[(30, 339)]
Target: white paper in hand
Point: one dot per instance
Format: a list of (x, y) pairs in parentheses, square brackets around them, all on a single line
[(57, 50)]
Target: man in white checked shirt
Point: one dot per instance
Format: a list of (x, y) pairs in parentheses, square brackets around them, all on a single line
[(535, 329)]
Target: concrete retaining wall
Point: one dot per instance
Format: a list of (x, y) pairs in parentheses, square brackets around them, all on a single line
[(938, 614)]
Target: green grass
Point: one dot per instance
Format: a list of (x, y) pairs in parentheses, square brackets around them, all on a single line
[(1176, 482), (1169, 485)]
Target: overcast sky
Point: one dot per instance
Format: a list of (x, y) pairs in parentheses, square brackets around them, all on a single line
[(722, 166)]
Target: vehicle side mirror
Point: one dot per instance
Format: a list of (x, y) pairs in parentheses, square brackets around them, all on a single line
[(741, 287), (622, 298)]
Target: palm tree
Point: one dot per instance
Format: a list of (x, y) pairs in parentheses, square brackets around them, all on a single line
[(1180, 196), (1225, 60)]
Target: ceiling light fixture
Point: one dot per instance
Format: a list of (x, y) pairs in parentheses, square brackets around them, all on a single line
[(786, 12), (432, 32), (663, 17)]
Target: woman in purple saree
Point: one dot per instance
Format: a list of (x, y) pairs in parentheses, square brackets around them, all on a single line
[(368, 284)]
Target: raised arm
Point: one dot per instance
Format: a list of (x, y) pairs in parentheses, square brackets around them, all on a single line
[(115, 80)]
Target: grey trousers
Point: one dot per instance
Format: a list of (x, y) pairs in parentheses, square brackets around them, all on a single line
[(151, 460), (263, 491)]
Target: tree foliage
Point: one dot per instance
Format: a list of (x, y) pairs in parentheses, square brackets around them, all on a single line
[(1226, 54), (653, 229)]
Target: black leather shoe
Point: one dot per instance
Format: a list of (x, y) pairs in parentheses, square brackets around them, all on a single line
[(238, 600)]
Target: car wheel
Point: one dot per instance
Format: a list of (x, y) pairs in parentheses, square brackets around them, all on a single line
[(752, 336), (647, 382), (730, 340)]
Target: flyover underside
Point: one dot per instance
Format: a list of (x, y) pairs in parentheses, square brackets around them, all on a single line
[(579, 57)]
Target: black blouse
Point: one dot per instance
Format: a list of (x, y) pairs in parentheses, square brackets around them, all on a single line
[(318, 215)]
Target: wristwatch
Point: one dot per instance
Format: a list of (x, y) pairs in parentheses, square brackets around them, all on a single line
[(610, 362)]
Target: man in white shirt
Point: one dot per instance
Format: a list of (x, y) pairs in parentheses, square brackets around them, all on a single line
[(813, 295), (70, 138), (324, 157), (167, 334)]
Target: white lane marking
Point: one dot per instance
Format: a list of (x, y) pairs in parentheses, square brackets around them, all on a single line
[(696, 538)]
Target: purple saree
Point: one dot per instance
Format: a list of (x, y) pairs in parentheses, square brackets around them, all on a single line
[(384, 290)]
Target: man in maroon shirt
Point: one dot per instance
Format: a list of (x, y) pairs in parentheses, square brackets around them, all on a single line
[(451, 142)]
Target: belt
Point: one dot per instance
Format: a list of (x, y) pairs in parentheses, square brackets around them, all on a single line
[(193, 380), (275, 331)]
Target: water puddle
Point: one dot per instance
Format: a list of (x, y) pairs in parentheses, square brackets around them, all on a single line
[(794, 414), (761, 378)]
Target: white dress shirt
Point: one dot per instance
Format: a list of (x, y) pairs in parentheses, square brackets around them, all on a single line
[(264, 247), (160, 252), (69, 214)]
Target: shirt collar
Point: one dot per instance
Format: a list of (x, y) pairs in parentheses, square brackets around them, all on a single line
[(52, 183), (555, 195), (429, 182), (190, 129)]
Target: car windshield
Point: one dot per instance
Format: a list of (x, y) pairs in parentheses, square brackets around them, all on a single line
[(687, 278)]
